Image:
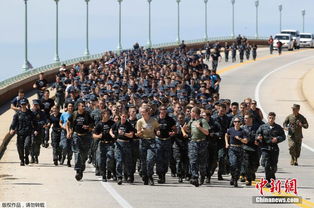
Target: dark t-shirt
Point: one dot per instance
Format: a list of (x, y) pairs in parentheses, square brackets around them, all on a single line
[(125, 128), (41, 83), (133, 123), (232, 132), (54, 120), (23, 122), (79, 121), (47, 105), (104, 128), (60, 88), (215, 56), (165, 126)]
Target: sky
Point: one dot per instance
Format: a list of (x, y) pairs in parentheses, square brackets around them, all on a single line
[(103, 25)]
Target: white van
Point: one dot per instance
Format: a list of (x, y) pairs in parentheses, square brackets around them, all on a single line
[(295, 35), (286, 39), (307, 40)]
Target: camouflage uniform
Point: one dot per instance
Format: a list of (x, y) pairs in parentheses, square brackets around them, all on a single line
[(198, 148), (295, 134)]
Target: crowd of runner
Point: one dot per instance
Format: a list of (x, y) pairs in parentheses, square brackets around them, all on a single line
[(147, 110)]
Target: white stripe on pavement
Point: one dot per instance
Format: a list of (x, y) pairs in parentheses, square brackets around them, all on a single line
[(123, 203), (258, 87)]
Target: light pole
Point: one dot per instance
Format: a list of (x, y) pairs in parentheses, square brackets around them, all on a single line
[(206, 35), (178, 36), (256, 5), (57, 59), (26, 65), (233, 2), (149, 42), (280, 16), (119, 45), (303, 15), (86, 53)]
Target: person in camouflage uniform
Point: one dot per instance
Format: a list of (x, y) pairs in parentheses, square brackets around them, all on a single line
[(294, 124)]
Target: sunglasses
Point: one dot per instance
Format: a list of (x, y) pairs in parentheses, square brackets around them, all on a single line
[(236, 121)]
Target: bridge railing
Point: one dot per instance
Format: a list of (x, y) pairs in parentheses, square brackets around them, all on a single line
[(45, 68)]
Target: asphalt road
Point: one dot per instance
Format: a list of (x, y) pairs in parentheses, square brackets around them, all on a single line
[(277, 92)]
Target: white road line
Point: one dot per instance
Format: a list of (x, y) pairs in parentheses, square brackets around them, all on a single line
[(258, 87), (123, 203)]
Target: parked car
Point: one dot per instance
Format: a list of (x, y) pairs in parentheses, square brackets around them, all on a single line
[(295, 35), (307, 40), (286, 39)]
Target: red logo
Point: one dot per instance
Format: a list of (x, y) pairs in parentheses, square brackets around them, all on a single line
[(275, 186)]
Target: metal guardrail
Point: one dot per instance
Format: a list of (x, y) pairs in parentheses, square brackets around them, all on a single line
[(48, 67)]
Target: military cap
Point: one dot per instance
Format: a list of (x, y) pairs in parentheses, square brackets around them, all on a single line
[(23, 101), (296, 106)]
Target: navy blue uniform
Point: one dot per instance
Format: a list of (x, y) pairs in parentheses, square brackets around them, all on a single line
[(235, 151), (41, 119), (55, 136), (163, 145), (123, 152), (270, 151), (105, 149), (81, 138), (251, 153), (24, 124)]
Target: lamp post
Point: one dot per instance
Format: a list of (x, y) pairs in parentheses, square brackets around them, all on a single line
[(256, 5), (280, 16), (57, 59), (26, 66), (178, 35), (119, 45), (149, 42), (233, 2), (206, 35), (303, 15), (86, 53)]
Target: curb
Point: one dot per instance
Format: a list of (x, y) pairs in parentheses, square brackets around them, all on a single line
[(307, 87)]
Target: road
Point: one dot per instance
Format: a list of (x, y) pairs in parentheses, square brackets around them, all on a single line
[(277, 92)]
